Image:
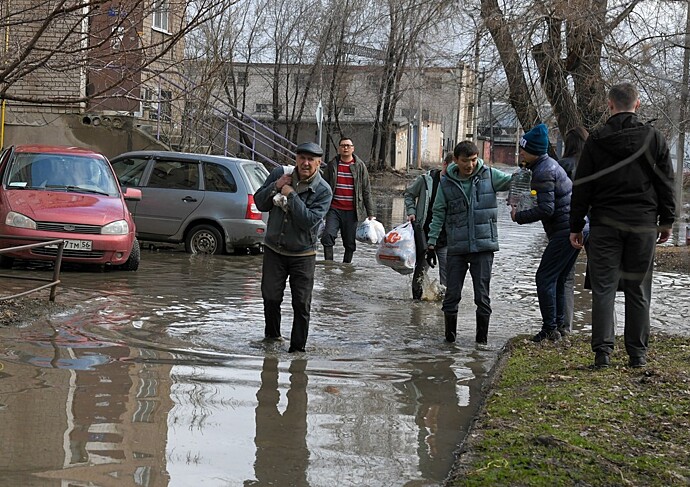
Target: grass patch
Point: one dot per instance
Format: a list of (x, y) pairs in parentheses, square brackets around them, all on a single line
[(551, 419)]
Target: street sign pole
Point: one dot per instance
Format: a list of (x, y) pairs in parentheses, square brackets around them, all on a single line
[(319, 121)]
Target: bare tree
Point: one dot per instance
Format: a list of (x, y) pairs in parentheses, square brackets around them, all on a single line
[(408, 21), (88, 39)]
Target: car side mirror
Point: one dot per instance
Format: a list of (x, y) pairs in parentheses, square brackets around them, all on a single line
[(132, 194)]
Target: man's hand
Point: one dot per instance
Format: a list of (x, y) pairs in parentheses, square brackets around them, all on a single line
[(282, 181), (664, 233), (286, 190), (411, 218), (431, 256), (577, 240), (513, 211)]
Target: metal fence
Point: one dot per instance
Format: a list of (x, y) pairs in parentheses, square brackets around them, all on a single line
[(52, 282)]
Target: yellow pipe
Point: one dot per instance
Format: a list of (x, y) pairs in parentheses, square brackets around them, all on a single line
[(2, 125), (4, 102)]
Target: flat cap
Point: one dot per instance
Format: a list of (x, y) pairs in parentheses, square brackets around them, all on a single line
[(309, 148)]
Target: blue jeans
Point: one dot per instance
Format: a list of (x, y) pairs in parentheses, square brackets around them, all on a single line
[(479, 264), (274, 274), (346, 222), (556, 261)]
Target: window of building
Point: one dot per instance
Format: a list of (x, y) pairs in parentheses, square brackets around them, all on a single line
[(301, 79), (408, 113), (434, 82), (242, 79), (373, 82), (158, 105), (470, 115), (267, 108), (161, 12), (349, 111)]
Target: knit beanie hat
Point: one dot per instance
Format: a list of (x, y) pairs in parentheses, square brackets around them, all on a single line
[(536, 141)]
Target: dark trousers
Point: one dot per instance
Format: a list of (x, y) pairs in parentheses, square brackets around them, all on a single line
[(628, 256), (346, 222), (479, 265), (556, 261), (274, 274)]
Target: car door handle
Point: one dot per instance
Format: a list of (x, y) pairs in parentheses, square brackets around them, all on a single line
[(189, 199)]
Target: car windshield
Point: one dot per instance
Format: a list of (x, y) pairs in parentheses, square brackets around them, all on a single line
[(61, 172), (256, 173)]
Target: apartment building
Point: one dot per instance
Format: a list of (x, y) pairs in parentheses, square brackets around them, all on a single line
[(91, 77), (434, 111)]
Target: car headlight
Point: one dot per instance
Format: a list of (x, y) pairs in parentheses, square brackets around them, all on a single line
[(18, 220), (119, 227)]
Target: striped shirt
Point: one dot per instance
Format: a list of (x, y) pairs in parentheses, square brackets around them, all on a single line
[(344, 194)]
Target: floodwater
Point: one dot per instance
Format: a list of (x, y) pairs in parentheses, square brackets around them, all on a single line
[(159, 377)]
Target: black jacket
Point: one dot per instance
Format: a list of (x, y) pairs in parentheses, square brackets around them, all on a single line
[(624, 177)]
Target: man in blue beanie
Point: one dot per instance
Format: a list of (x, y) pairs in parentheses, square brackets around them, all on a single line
[(554, 189)]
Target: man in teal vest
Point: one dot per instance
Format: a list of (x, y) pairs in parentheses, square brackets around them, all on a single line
[(466, 204)]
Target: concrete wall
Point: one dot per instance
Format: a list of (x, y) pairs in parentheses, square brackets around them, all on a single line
[(113, 135)]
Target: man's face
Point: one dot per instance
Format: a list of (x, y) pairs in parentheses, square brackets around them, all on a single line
[(526, 157), (307, 165), (466, 164), (345, 148)]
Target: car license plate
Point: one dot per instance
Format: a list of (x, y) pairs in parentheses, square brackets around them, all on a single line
[(84, 245)]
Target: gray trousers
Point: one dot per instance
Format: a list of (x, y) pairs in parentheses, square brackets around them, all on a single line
[(628, 256)]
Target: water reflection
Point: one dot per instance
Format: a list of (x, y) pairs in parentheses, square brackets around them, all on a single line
[(282, 455), (87, 415), (434, 399)]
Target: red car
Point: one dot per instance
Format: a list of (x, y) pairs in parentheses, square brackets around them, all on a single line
[(69, 193)]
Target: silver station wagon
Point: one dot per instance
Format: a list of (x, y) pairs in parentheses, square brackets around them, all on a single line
[(205, 201)]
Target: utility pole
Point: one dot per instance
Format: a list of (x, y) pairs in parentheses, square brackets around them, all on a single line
[(491, 127), (682, 127), (477, 87), (457, 136)]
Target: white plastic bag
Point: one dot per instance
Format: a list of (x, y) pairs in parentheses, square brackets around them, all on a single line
[(397, 249), (370, 231), (279, 199)]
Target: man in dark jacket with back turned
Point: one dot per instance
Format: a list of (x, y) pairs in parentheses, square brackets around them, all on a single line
[(624, 180)]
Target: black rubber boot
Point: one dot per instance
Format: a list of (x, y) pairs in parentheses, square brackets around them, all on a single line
[(328, 253), (451, 326), (347, 258), (482, 329)]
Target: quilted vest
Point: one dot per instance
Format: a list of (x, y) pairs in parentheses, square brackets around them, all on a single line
[(471, 219)]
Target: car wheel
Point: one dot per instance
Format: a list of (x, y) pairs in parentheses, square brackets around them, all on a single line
[(258, 250), (132, 263), (204, 239), (6, 262)]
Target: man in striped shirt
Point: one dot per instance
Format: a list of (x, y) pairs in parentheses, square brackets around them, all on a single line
[(352, 202)]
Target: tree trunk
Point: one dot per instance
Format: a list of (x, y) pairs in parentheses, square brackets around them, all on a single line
[(519, 96)]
